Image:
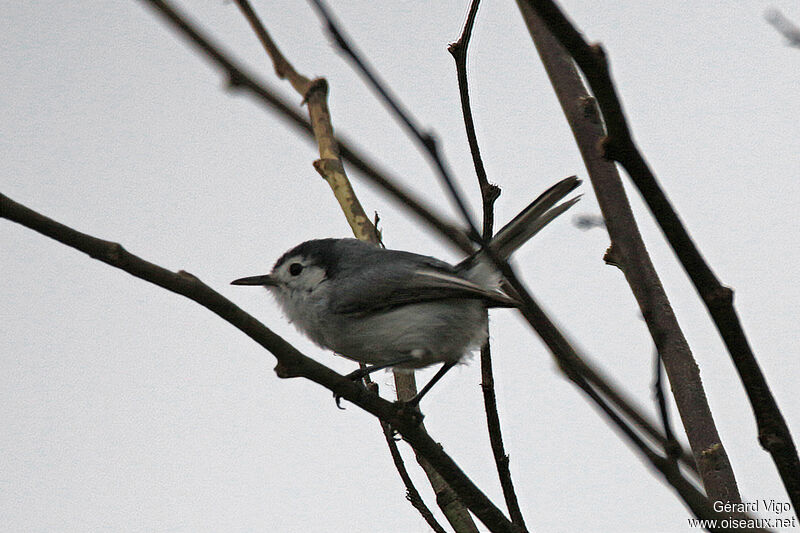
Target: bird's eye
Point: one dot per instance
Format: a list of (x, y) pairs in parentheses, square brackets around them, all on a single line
[(295, 269)]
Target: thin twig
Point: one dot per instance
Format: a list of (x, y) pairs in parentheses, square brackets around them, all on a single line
[(623, 404), (629, 254), (501, 459), (489, 191), (291, 363), (786, 27), (412, 494), (489, 194), (425, 139), (446, 498), (773, 433)]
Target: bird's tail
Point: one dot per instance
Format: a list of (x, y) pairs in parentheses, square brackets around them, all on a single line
[(534, 217)]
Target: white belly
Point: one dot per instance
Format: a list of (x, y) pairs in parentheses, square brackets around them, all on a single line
[(432, 332)]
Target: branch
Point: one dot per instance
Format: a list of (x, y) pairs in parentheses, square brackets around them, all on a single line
[(241, 79), (315, 94), (489, 192), (573, 367), (630, 255), (425, 139), (446, 498), (412, 494), (291, 363), (786, 27), (773, 433), (489, 195)]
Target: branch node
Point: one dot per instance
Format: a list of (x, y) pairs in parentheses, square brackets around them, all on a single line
[(719, 296), (712, 456), (113, 254), (769, 440), (491, 192), (589, 109), (328, 166), (612, 257), (235, 80), (429, 141), (607, 148), (456, 50), (411, 416), (187, 275), (317, 84), (599, 53), (284, 371)]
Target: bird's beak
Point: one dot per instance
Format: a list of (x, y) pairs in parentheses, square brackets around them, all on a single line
[(266, 280)]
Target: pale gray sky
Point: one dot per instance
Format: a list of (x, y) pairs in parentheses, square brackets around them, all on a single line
[(127, 408)]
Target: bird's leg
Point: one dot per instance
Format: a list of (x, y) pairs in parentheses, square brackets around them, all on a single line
[(361, 372), (357, 375), (413, 402)]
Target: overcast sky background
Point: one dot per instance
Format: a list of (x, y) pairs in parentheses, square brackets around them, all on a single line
[(128, 408)]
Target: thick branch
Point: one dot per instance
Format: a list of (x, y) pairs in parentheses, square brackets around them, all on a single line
[(630, 255), (291, 363), (773, 433)]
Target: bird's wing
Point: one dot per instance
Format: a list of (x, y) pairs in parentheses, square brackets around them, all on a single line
[(423, 285)]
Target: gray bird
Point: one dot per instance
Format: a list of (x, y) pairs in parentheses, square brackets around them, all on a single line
[(389, 308)]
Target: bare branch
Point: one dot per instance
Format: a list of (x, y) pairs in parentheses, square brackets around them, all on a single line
[(786, 27), (243, 80), (291, 363), (773, 433), (489, 195), (425, 139), (446, 497), (315, 94), (412, 494), (458, 49), (629, 253)]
